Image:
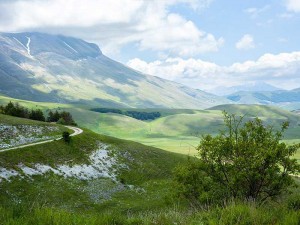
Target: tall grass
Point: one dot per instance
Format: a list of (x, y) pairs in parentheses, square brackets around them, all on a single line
[(235, 213)]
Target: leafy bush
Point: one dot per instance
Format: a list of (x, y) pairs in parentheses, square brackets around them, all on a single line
[(246, 161), (294, 202)]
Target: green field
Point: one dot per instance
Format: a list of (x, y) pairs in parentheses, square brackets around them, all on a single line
[(180, 132), (177, 130)]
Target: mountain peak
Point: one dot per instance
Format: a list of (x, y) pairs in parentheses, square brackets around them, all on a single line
[(34, 43), (43, 67)]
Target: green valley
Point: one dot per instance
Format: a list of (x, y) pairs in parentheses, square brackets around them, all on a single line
[(128, 182), (177, 130), (85, 139)]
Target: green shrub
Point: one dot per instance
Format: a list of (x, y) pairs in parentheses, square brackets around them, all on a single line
[(247, 161), (66, 136), (294, 202)]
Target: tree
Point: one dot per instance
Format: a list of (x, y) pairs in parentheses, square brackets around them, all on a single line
[(50, 116), (64, 118), (37, 115), (246, 161), (66, 136), (67, 117), (9, 109), (62, 121), (56, 116)]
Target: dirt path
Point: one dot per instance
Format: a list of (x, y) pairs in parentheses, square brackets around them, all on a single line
[(75, 129)]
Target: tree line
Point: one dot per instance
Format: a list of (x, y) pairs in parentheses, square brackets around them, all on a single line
[(134, 114), (15, 109)]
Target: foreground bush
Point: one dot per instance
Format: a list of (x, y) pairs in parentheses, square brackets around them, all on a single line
[(247, 161)]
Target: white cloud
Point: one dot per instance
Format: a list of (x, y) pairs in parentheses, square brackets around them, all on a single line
[(293, 5), (176, 68), (281, 70), (255, 12), (114, 23), (245, 43)]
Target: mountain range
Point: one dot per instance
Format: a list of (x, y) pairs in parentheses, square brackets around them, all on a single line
[(256, 86), (285, 98), (55, 68)]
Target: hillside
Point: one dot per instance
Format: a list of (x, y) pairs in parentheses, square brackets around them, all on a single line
[(54, 68), (97, 179), (93, 172)]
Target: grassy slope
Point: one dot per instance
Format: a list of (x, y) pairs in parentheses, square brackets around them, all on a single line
[(51, 199), (150, 170), (42, 105)]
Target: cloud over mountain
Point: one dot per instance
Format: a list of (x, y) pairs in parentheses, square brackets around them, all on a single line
[(114, 23), (280, 70)]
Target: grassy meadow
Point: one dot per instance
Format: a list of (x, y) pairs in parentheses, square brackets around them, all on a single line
[(180, 131), (177, 130), (144, 191)]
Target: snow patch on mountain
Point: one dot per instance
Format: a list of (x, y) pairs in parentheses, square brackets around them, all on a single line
[(28, 45)]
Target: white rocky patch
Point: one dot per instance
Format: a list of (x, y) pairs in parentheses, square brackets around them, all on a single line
[(7, 174), (101, 166), (14, 135)]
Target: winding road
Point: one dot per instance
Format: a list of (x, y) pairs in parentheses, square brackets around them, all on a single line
[(75, 129)]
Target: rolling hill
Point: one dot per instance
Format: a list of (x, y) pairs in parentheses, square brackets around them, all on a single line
[(55, 68)]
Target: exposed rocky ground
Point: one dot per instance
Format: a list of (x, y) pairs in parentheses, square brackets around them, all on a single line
[(14, 135)]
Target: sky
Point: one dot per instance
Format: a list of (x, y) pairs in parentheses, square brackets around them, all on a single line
[(205, 44)]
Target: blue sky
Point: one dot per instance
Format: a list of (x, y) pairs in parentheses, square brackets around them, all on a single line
[(200, 43), (272, 26)]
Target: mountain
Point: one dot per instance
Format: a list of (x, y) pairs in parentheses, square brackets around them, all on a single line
[(55, 68), (285, 98), (249, 87)]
